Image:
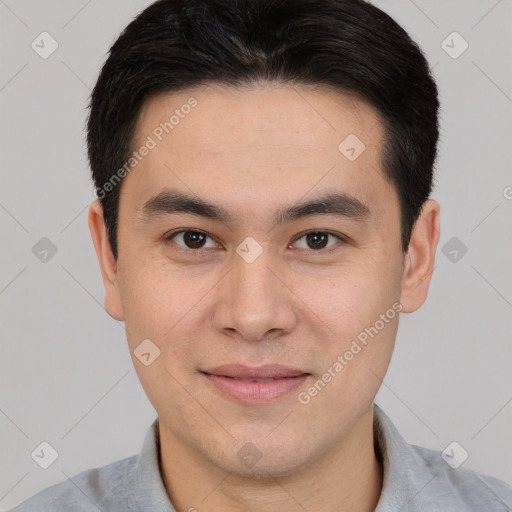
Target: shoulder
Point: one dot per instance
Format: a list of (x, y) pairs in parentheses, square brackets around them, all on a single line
[(89, 490), (418, 479), (461, 488)]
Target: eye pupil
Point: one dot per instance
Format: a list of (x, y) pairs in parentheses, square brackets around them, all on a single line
[(317, 239), (194, 239)]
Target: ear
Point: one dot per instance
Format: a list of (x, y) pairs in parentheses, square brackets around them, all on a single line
[(106, 260), (420, 257)]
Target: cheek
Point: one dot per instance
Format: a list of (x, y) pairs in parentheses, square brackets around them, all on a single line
[(161, 309), (349, 298), (156, 301), (170, 310), (354, 359), (356, 311)]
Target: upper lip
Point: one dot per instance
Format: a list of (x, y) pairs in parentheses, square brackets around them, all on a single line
[(240, 371)]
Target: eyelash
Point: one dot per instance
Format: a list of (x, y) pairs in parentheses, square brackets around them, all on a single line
[(341, 239)]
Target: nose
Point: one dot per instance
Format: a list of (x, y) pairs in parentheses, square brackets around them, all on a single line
[(255, 302)]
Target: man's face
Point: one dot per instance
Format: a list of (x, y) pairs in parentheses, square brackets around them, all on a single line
[(282, 297)]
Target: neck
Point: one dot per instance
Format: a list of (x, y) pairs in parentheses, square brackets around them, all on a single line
[(347, 477)]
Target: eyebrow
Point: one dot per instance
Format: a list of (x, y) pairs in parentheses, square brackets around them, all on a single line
[(338, 204)]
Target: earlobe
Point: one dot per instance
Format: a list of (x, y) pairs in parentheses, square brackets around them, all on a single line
[(108, 265), (420, 257)]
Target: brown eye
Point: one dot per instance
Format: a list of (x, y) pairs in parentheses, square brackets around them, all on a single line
[(190, 239), (317, 240)]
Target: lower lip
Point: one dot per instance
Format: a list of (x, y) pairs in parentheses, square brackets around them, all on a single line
[(256, 392)]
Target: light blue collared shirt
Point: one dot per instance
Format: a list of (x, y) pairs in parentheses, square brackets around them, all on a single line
[(416, 479)]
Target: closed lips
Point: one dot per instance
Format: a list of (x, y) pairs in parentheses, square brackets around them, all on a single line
[(258, 380), (265, 373)]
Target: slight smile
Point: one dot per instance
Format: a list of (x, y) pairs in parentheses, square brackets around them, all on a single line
[(255, 385)]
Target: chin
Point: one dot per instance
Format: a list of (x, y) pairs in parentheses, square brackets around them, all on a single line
[(270, 462), (263, 470)]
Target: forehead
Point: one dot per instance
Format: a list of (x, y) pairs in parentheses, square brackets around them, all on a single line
[(267, 143), (309, 117)]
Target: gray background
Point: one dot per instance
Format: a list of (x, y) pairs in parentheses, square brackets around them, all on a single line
[(65, 372)]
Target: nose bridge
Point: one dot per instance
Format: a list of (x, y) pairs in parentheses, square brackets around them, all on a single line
[(256, 300), (251, 278)]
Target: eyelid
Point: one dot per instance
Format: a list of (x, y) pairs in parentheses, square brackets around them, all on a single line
[(341, 238), (169, 236)]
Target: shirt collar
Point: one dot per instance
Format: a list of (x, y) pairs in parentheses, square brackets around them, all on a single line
[(405, 473), (147, 488)]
